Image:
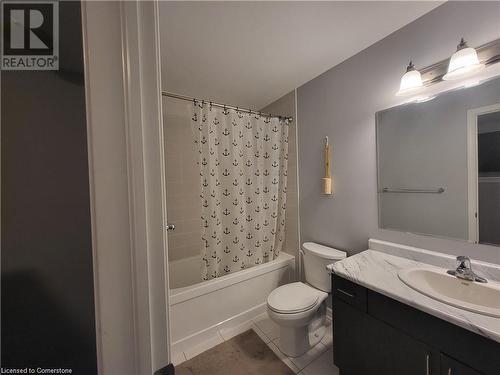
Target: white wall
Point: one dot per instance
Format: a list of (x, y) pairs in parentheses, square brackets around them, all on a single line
[(104, 88), (342, 103), (126, 180)]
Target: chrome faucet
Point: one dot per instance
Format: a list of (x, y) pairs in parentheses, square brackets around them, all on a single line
[(464, 270)]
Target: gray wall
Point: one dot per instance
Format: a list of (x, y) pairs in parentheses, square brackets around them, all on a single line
[(47, 286), (342, 103)]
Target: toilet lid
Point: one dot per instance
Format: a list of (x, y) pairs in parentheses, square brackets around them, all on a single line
[(323, 251), (292, 298)]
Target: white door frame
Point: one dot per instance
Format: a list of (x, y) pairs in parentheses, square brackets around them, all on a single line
[(127, 184), (472, 171)]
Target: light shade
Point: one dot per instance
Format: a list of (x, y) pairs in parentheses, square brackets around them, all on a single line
[(463, 62), (411, 81)]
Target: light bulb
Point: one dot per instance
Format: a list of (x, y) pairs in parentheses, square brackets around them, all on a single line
[(411, 81), (463, 62)]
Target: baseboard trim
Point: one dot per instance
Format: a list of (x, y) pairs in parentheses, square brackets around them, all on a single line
[(167, 370), (234, 321)]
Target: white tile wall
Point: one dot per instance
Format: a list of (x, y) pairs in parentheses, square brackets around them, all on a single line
[(183, 183)]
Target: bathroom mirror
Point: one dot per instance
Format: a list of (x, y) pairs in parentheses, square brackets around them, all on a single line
[(439, 165)]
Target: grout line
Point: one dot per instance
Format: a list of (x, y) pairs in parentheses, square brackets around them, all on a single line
[(322, 347), (292, 366), (315, 359), (262, 332)]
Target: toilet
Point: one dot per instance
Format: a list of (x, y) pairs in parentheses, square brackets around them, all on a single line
[(300, 308)]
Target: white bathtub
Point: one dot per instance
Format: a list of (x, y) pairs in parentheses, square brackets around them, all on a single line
[(196, 309)]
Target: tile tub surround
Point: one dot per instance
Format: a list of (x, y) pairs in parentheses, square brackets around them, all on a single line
[(378, 271), (182, 179)]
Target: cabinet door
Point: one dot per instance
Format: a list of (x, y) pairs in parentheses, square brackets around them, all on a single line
[(366, 346), (449, 366), (350, 352), (393, 352)]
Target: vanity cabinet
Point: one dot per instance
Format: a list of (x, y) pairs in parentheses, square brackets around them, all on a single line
[(451, 367), (374, 334)]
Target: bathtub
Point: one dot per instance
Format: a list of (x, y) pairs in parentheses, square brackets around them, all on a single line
[(198, 307)]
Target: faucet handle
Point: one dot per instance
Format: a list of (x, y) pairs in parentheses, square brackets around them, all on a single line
[(464, 270)]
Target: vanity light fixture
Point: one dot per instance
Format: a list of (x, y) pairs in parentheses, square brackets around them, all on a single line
[(425, 99), (463, 62), (471, 83), (411, 81)]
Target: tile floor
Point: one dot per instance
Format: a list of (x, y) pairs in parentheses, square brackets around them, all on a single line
[(244, 354), (317, 361)]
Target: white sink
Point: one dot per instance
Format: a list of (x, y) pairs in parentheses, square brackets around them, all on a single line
[(482, 298)]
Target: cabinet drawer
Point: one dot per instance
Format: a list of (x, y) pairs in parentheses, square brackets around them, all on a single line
[(449, 366), (349, 292)]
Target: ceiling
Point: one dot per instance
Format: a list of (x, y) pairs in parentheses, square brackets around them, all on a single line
[(249, 54)]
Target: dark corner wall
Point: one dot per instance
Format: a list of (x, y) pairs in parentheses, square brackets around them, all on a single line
[(48, 316)]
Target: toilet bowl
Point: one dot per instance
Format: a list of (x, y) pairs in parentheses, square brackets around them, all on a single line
[(300, 308)]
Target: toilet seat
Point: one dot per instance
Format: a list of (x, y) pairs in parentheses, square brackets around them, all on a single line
[(293, 298)]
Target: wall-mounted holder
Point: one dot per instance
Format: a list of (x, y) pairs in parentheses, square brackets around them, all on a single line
[(327, 180)]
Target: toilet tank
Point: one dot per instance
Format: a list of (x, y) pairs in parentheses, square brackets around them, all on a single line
[(316, 258)]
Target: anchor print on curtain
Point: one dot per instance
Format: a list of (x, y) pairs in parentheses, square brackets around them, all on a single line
[(243, 171)]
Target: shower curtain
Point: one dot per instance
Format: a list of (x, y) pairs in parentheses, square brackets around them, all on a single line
[(243, 170)]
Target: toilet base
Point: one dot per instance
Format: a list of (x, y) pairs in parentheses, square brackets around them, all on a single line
[(295, 341)]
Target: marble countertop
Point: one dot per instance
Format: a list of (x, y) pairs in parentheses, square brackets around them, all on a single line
[(378, 271)]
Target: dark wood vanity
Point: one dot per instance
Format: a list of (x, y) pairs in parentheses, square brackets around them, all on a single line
[(377, 335)]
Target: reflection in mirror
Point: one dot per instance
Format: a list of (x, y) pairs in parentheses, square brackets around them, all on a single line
[(439, 165), (488, 150)]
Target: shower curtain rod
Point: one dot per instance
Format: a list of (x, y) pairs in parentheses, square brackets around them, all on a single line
[(190, 99)]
